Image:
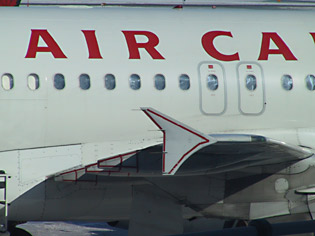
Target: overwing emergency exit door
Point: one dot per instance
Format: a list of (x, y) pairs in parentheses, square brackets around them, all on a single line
[(251, 89), (212, 88)]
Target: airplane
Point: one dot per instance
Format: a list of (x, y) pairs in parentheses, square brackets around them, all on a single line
[(156, 118)]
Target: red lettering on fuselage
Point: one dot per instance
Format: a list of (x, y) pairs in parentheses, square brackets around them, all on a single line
[(283, 49), (313, 36), (134, 46), (51, 47), (207, 43), (91, 41), (152, 42)]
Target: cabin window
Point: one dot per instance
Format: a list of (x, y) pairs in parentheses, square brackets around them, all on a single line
[(287, 82), (310, 82), (84, 81), (251, 82), (33, 81), (184, 82), (110, 81), (134, 82), (7, 81), (159, 82), (59, 81), (212, 82)]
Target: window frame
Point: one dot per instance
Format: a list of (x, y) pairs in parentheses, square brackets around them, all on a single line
[(217, 82), (156, 77), (105, 81), (64, 81), (308, 82), (84, 79), (11, 81), (247, 82), (285, 85), (37, 81), (183, 78), (133, 82)]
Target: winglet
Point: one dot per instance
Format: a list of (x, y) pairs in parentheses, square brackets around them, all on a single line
[(179, 140)]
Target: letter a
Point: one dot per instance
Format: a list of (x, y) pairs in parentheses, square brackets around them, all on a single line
[(283, 49), (52, 46)]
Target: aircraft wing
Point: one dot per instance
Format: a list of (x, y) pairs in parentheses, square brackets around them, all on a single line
[(186, 151), (235, 152), (217, 152)]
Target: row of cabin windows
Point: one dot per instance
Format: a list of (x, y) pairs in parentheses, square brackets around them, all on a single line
[(33, 82), (251, 82), (159, 82), (287, 82)]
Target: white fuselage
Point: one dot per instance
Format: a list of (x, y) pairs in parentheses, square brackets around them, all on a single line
[(49, 117), (46, 131)]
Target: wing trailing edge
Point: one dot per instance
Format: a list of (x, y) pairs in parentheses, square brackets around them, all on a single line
[(179, 140)]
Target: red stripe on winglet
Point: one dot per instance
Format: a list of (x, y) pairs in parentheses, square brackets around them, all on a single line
[(178, 125), (186, 155), (164, 139)]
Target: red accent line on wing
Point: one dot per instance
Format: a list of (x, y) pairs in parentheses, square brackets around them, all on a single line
[(68, 172), (115, 157), (99, 165)]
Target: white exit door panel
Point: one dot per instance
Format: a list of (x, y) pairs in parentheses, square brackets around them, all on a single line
[(212, 88), (251, 88)]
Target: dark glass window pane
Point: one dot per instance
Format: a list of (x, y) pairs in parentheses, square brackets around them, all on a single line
[(85, 81), (59, 81), (135, 82), (110, 82), (159, 82), (184, 82)]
